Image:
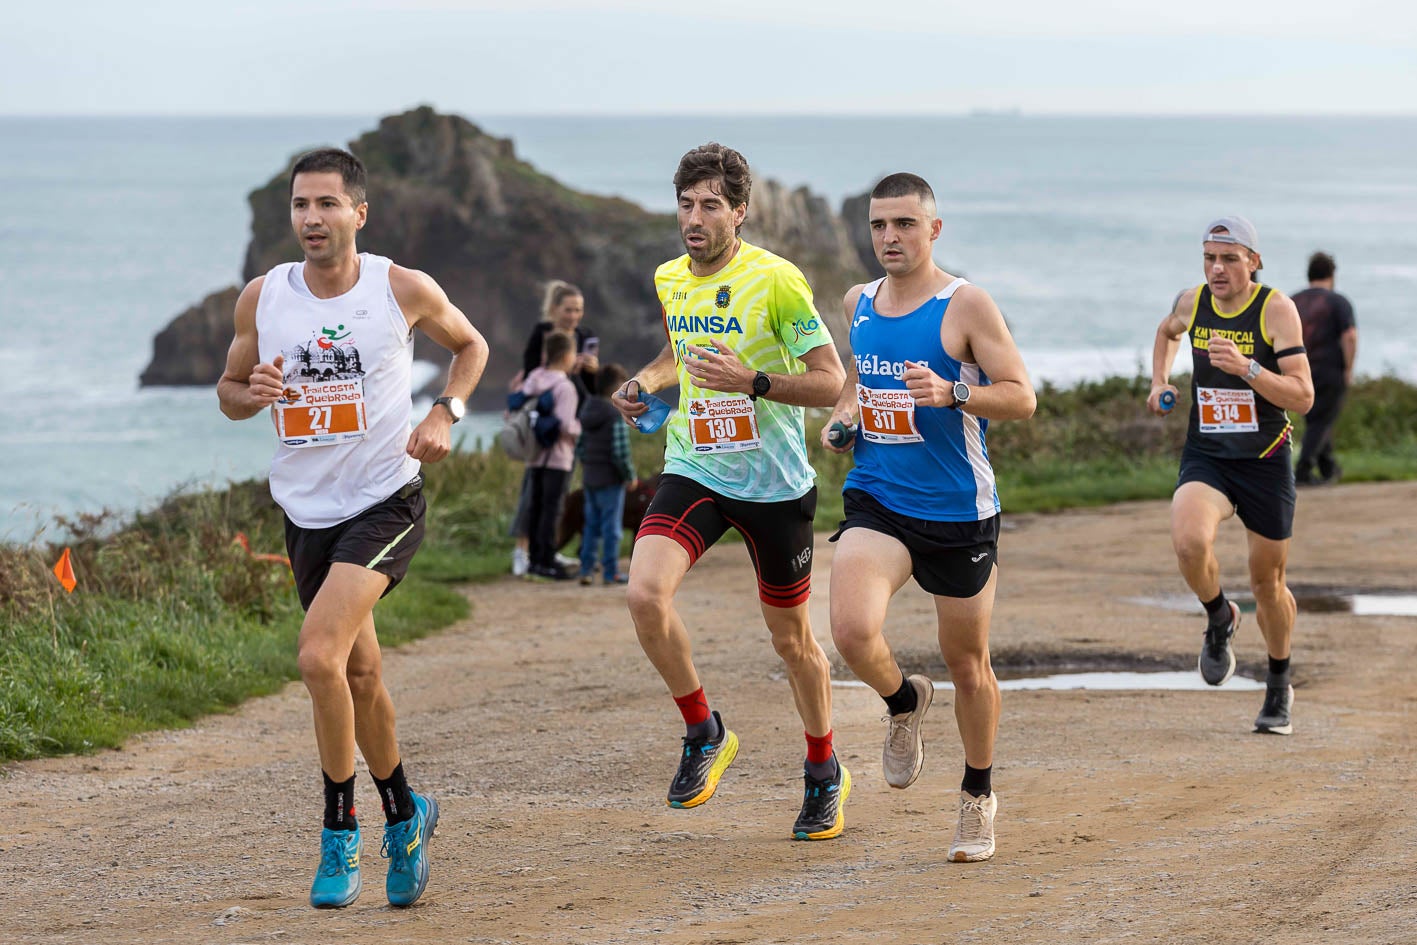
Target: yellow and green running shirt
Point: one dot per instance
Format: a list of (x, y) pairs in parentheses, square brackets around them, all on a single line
[(760, 306)]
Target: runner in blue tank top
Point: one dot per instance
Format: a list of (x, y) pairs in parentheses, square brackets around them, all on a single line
[(933, 364), (1247, 345)]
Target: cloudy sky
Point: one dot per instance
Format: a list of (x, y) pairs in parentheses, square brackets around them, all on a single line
[(659, 57)]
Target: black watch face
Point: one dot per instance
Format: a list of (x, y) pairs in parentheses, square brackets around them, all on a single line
[(761, 384)]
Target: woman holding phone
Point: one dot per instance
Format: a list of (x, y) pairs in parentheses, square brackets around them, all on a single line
[(562, 308)]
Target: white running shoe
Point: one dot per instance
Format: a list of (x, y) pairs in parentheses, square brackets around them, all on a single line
[(974, 837), (904, 754), (521, 562)]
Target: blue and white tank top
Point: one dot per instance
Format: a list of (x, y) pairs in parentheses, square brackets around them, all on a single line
[(928, 462)]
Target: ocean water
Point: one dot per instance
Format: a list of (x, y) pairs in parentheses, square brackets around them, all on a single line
[(1083, 229)]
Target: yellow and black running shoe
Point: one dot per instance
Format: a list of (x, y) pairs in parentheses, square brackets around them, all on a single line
[(701, 767), (823, 806)]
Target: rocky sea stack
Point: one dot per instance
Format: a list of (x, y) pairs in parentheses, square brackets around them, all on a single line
[(447, 198)]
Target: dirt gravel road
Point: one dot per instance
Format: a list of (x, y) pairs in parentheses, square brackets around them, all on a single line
[(1123, 816)]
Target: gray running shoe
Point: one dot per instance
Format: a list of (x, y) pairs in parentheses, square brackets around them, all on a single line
[(1217, 660), (974, 836), (1274, 715), (904, 754)]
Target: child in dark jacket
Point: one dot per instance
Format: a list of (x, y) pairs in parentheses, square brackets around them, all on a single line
[(606, 469)]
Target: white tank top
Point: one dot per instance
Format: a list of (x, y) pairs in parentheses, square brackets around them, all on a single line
[(343, 424)]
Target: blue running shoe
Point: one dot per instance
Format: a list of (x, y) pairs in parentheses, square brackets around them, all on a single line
[(406, 846), (337, 882)]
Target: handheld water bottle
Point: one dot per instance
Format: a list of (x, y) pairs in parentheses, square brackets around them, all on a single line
[(840, 435), (653, 418), (1166, 401)]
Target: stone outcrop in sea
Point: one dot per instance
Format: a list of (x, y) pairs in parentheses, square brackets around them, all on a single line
[(447, 198)]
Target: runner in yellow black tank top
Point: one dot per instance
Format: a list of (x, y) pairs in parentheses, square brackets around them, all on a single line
[(748, 352), (1249, 368)]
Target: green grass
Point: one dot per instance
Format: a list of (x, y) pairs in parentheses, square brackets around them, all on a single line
[(172, 620)]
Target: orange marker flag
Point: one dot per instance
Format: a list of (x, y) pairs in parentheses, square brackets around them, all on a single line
[(64, 571)]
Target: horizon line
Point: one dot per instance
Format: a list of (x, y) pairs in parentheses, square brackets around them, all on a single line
[(1008, 112)]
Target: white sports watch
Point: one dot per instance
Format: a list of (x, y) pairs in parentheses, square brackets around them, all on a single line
[(1254, 370), (455, 407)]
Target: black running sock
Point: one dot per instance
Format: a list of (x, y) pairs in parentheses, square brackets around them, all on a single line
[(903, 699), (1218, 610), (395, 796), (708, 728), (977, 781), (822, 770), (1278, 672), (339, 804)]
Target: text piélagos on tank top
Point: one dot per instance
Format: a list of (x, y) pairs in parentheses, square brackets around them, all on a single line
[(869, 364)]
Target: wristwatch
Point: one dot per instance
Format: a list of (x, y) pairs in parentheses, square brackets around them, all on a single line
[(761, 385), (455, 405), (961, 394), (1254, 370)]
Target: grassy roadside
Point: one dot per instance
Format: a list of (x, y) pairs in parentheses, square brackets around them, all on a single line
[(173, 619)]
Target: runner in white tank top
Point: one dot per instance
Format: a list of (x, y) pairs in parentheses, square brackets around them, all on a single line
[(327, 345)]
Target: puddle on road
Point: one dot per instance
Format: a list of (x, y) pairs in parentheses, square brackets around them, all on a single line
[(1311, 600), (1188, 681)]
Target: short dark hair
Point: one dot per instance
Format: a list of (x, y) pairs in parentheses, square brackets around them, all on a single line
[(346, 165), (1321, 266), (714, 162), (904, 185), (609, 378), (557, 345)]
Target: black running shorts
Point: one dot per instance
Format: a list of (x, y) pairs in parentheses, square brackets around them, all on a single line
[(778, 534), (947, 559), (1261, 490), (382, 538)]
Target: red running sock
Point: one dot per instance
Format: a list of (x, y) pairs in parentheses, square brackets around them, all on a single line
[(819, 749), (694, 707)]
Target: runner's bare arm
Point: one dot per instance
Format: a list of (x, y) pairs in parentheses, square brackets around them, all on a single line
[(847, 406), (1009, 393), (247, 386), (723, 370), (656, 375), (1348, 341), (426, 306), (1163, 352), (1292, 388)]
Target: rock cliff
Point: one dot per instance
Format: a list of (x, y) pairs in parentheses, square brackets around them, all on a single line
[(459, 204), (192, 348)]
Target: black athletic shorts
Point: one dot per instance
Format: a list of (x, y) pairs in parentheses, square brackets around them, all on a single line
[(1261, 490), (947, 559), (778, 534), (382, 538)]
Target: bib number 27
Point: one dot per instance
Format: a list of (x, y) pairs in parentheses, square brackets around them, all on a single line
[(319, 420)]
